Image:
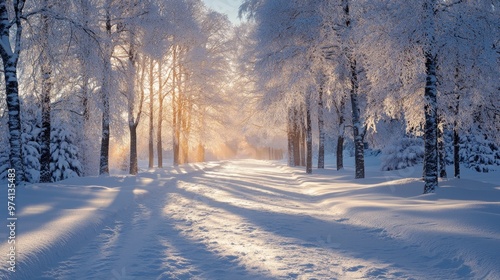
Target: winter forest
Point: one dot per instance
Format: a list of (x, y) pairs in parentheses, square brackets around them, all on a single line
[(106, 91)]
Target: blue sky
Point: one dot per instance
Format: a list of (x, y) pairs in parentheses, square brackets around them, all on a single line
[(229, 7)]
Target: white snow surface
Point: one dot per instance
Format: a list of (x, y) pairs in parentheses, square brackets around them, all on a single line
[(249, 219)]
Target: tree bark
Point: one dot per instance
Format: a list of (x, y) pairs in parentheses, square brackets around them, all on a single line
[(456, 138), (105, 91), (45, 157), (133, 121), (175, 108), (441, 149), (358, 135), (321, 130), (340, 152), (456, 152), (430, 108), (308, 137), (340, 139), (151, 114), (161, 96), (303, 135), (430, 129), (10, 58), (296, 137), (290, 137)]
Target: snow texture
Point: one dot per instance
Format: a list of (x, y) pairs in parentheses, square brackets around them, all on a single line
[(250, 219)]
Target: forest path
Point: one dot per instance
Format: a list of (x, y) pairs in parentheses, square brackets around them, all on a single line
[(243, 219)]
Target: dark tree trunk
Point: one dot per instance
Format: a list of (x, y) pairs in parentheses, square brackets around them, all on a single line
[(321, 130), (340, 152), (308, 137), (340, 139), (456, 152), (358, 133), (441, 150), (302, 138), (456, 138), (105, 91), (296, 138), (9, 59), (175, 132), (175, 109), (151, 115), (430, 129), (290, 137), (133, 149), (159, 144), (45, 158)]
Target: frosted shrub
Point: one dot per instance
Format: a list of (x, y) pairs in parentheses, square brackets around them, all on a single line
[(480, 154), (402, 154), (64, 155), (31, 152)]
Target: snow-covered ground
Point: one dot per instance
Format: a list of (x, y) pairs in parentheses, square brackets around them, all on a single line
[(249, 219)]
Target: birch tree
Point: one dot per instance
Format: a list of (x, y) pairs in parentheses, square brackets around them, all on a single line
[(10, 49)]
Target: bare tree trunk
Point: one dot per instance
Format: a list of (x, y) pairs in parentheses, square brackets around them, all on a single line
[(321, 129), (290, 137), (430, 96), (358, 135), (303, 135), (297, 136), (133, 121), (105, 91), (161, 96), (456, 152), (308, 136), (441, 149), (186, 128), (359, 156), (45, 157), (340, 139), (175, 109), (134, 169), (456, 138), (151, 114), (85, 48), (10, 58)]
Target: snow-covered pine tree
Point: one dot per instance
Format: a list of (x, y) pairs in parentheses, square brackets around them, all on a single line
[(479, 153), (31, 154), (64, 155), (406, 152), (31, 147)]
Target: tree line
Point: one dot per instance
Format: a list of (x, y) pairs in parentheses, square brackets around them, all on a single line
[(79, 75), (423, 75)]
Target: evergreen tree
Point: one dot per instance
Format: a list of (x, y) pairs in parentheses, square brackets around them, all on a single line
[(404, 153), (64, 155), (480, 154), (31, 150)]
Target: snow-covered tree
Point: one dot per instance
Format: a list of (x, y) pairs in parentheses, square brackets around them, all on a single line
[(10, 49), (403, 153), (31, 146), (64, 154)]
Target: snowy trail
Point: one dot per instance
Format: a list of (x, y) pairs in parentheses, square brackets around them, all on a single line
[(252, 219)]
